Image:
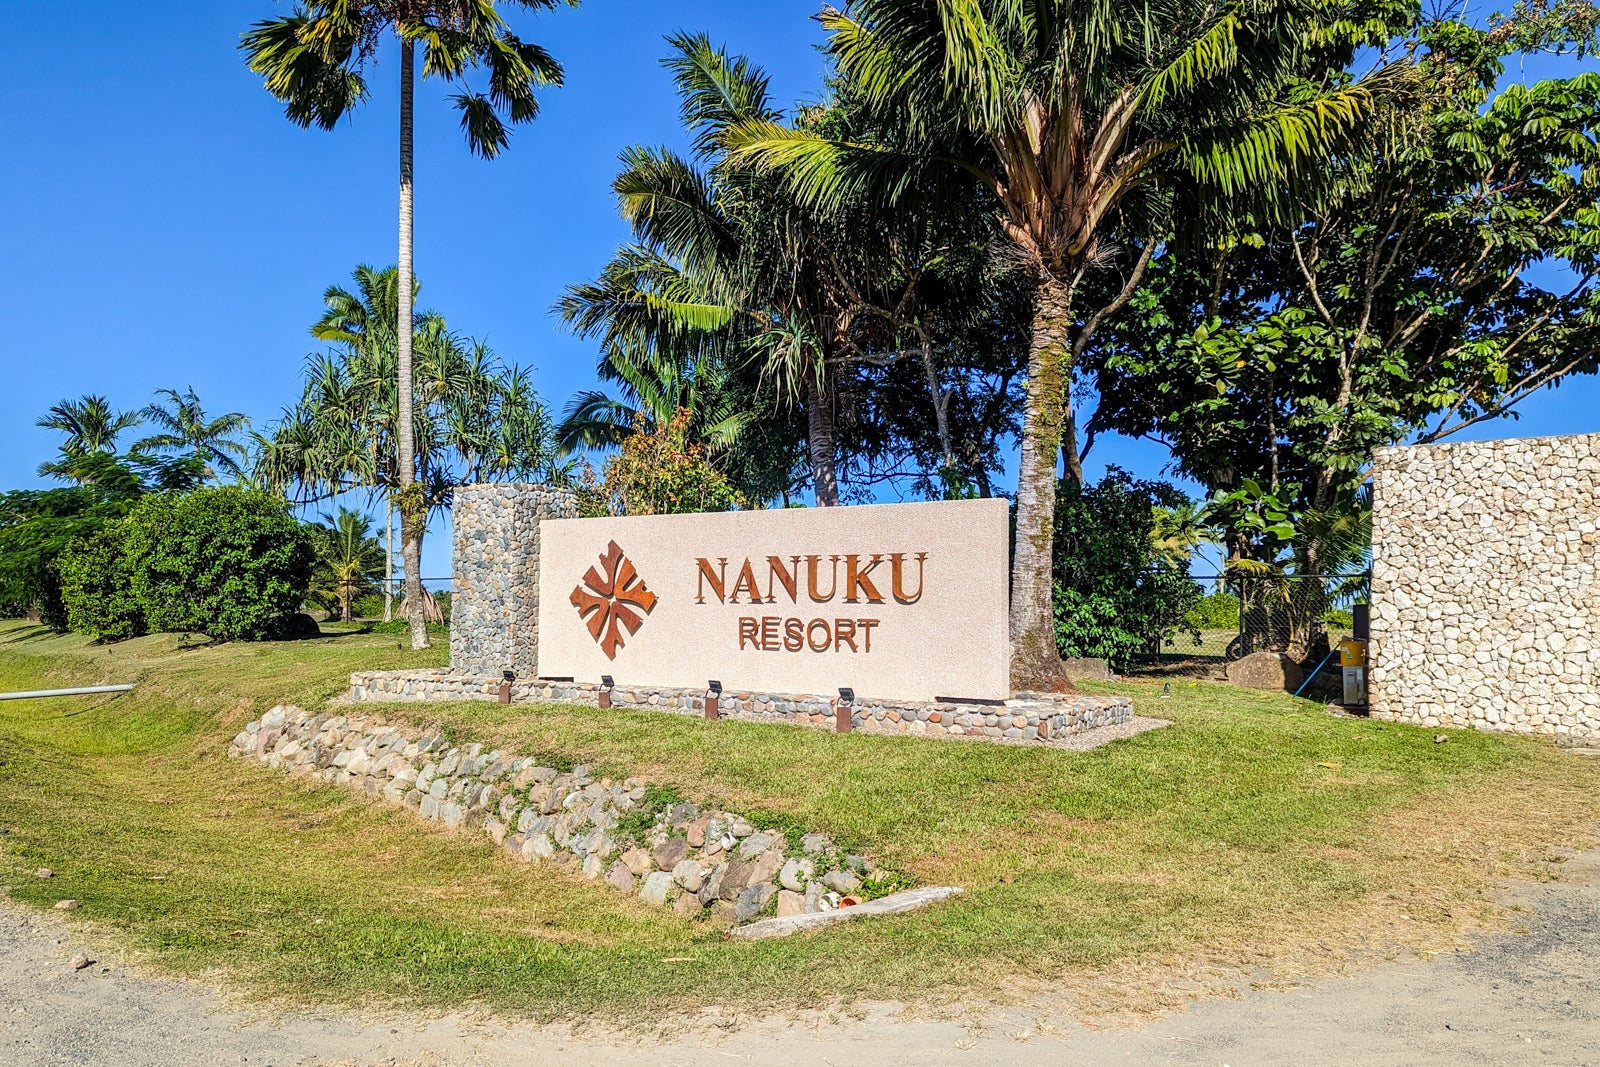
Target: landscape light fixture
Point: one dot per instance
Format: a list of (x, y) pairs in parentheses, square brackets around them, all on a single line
[(715, 687), (607, 683), (843, 710), (506, 678), (712, 698), (847, 695)]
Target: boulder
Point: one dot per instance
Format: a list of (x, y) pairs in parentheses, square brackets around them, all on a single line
[(753, 901), (1266, 670), (797, 874), (841, 881), (691, 874), (670, 853), (1087, 669), (658, 888), (620, 877)]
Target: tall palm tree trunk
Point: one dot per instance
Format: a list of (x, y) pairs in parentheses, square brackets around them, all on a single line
[(413, 512), (1035, 663), (388, 558), (822, 439)]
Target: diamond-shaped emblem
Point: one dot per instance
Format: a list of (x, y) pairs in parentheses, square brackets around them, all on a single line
[(612, 598)]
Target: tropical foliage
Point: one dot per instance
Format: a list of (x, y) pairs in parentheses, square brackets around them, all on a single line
[(854, 340), (219, 561), (90, 427), (185, 429), (475, 419), (660, 471), (1093, 132), (1452, 270), (1118, 595), (349, 561), (315, 61)]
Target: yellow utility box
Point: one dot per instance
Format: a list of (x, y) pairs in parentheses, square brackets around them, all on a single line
[(1353, 657)]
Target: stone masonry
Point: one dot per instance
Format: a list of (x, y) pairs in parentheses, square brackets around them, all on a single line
[(712, 866), (1029, 717), (495, 598), (1486, 585)]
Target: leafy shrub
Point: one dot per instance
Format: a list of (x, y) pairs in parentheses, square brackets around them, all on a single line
[(218, 561), (97, 585), (1339, 618), (1116, 597), (1214, 611), (369, 606), (660, 472)]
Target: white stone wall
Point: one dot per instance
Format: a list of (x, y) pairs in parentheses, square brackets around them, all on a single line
[(1486, 585)]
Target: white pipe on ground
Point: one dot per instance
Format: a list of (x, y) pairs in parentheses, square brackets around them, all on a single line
[(80, 691)]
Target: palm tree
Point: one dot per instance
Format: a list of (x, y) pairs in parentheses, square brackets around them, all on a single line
[(474, 418), (92, 427), (349, 558), (1090, 125), (185, 428), (315, 61), (728, 273), (1179, 531)]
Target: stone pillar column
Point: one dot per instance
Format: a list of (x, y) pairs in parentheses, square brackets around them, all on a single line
[(494, 612)]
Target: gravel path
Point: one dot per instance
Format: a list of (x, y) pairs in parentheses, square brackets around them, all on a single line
[(1528, 996)]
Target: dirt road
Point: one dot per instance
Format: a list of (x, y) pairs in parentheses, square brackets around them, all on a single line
[(1527, 996)]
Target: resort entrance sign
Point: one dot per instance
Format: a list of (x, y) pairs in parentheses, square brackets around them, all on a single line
[(898, 601)]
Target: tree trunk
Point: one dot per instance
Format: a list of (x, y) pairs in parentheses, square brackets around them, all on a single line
[(823, 439), (388, 559), (411, 522), (344, 602), (941, 407), (1071, 461), (1035, 662)]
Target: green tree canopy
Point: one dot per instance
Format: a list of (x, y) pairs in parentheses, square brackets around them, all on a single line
[(1089, 129), (1453, 271)]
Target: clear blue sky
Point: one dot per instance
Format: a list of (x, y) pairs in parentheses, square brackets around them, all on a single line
[(165, 226)]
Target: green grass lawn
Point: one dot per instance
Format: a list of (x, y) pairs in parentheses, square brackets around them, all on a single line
[(1258, 829)]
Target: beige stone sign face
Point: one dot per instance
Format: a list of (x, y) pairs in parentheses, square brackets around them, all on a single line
[(896, 601)]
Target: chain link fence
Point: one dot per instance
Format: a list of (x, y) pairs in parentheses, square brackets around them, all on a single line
[(1237, 614)]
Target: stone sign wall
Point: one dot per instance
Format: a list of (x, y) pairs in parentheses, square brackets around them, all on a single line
[(897, 601), (494, 603), (1486, 585)]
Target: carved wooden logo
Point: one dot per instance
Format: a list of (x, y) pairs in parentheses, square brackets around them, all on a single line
[(613, 600)]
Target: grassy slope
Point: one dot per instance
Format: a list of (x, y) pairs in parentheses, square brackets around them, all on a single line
[(1223, 841)]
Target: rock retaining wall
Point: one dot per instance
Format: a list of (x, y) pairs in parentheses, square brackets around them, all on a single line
[(714, 866), (1486, 585), (1029, 717)]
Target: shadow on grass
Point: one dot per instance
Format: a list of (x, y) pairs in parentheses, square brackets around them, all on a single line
[(28, 634)]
